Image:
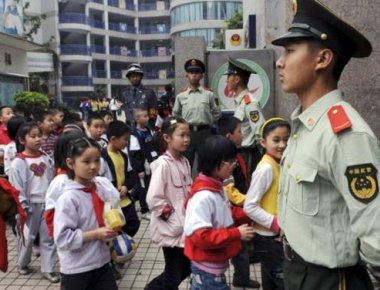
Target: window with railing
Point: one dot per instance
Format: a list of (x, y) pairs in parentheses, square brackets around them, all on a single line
[(98, 49), (97, 23), (73, 18), (79, 49), (116, 74), (154, 29), (99, 73), (122, 50), (210, 10), (160, 51), (122, 27), (76, 81)]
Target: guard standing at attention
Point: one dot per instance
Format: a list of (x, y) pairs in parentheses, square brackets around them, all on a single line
[(198, 106), (329, 203), (247, 110), (139, 96)]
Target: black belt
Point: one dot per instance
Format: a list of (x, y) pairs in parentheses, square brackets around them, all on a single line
[(290, 254), (196, 128)]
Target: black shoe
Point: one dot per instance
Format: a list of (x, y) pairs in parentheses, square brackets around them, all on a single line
[(247, 284)]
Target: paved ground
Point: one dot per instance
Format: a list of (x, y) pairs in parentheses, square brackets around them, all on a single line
[(147, 264)]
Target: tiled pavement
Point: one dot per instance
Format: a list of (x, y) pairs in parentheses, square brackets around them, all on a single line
[(147, 264)]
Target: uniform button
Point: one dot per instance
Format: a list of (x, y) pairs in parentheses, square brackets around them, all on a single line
[(295, 136), (298, 178)]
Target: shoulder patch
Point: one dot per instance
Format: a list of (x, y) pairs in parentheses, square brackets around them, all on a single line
[(254, 116), (362, 182), (247, 99), (338, 119)]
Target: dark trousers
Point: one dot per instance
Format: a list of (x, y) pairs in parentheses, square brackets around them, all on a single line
[(98, 279), (177, 269), (142, 194), (306, 276), (197, 139), (132, 222), (270, 253), (241, 264)]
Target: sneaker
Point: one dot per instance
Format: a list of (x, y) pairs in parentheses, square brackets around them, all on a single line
[(115, 272), (246, 284), (24, 270), (146, 216), (52, 277), (36, 251)]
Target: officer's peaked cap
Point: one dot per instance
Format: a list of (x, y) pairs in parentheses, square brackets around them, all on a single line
[(194, 65), (134, 68), (312, 19), (236, 67)]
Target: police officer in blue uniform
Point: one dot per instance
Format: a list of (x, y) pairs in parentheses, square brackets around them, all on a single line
[(138, 96)]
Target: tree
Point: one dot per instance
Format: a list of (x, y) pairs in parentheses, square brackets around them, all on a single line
[(235, 22), (29, 102)]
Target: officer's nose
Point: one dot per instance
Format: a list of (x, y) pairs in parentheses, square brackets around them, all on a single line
[(280, 63)]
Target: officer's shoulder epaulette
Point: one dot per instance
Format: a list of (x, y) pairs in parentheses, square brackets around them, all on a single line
[(338, 119), (247, 99)]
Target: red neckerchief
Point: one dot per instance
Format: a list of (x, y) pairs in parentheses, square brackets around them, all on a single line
[(61, 171), (204, 182), (243, 166), (98, 204)]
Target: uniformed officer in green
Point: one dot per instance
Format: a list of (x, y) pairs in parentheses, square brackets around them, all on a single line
[(247, 110), (329, 203), (197, 106)]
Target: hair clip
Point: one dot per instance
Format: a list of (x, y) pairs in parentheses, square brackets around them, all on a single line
[(172, 122), (267, 122)]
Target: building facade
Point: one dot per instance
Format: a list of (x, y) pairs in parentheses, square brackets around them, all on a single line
[(96, 40), (201, 18)]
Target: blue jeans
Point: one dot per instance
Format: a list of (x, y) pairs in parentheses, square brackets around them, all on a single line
[(201, 280)]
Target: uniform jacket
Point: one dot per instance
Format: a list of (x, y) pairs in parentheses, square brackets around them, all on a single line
[(329, 204), (248, 111), (140, 97), (197, 107), (169, 185), (74, 215)]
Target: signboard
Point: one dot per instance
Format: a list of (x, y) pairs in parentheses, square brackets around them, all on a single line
[(235, 39), (12, 17)]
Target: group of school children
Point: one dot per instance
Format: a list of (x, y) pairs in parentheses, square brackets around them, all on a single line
[(65, 171)]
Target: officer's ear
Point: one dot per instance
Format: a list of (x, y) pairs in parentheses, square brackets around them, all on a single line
[(324, 58)]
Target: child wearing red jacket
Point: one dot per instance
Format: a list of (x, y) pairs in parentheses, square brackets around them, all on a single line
[(211, 238)]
